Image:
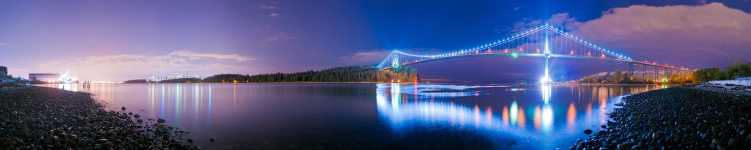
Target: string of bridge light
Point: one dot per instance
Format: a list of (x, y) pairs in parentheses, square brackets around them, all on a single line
[(586, 43), (473, 50), (465, 51), (462, 52), (514, 37)]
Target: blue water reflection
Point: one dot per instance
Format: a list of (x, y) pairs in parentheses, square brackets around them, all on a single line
[(381, 116), (550, 122)]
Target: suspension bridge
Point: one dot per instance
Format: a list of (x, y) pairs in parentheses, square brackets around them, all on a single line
[(544, 41)]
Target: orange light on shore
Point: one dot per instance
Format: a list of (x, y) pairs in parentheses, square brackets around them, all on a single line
[(537, 117), (571, 115), (504, 116), (522, 118)]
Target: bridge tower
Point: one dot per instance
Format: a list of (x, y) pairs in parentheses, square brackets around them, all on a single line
[(546, 77), (394, 61)]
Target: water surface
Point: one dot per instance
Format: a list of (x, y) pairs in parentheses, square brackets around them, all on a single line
[(371, 116)]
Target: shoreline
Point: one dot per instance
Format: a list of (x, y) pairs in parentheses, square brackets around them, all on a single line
[(675, 118), (558, 84), (49, 118)]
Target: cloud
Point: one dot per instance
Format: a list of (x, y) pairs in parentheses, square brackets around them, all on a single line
[(268, 7), (278, 37), (199, 56), (272, 7), (3, 44), (364, 57), (133, 66), (559, 20), (696, 36)]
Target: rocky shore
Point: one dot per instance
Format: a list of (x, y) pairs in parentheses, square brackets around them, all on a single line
[(47, 118), (676, 118)]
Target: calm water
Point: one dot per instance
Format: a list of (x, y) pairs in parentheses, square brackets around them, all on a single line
[(371, 116)]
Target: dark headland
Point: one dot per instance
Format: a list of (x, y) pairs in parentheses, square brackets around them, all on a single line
[(47, 118), (676, 118), (337, 74)]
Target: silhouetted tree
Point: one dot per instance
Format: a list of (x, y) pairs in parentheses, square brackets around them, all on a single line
[(339, 74)]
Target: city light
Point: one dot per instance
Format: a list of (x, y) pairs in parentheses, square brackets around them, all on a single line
[(65, 78)]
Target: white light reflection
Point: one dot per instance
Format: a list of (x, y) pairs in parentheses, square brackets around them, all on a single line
[(395, 96), (547, 92), (152, 97), (547, 111), (509, 119), (178, 102), (405, 114), (161, 100), (440, 90), (514, 112), (547, 118), (211, 105), (196, 101)]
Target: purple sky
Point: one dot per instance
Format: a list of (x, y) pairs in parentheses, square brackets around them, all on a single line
[(120, 40)]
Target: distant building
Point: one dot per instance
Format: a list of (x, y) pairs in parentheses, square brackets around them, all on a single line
[(3, 71), (44, 77)]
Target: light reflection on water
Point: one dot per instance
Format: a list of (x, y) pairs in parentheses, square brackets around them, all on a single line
[(274, 116), (508, 116)]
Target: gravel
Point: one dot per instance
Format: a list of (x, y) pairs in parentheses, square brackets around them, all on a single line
[(47, 118), (676, 118)]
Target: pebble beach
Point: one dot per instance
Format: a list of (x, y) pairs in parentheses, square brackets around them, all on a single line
[(48, 118), (676, 118)]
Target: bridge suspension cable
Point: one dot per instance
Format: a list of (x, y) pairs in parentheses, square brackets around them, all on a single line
[(554, 42)]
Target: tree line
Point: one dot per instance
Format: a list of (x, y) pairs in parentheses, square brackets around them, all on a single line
[(729, 73), (338, 74), (639, 77)]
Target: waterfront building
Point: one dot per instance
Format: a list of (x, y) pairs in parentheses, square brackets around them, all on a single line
[(44, 77), (3, 71)]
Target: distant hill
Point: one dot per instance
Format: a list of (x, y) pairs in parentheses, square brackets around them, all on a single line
[(137, 81), (181, 80), (338, 74), (637, 77)]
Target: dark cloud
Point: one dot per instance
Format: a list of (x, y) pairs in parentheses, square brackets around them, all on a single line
[(697, 36)]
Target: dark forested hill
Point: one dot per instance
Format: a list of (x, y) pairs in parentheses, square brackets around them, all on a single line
[(338, 74)]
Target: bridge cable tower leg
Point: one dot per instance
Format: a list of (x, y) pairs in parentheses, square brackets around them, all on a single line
[(630, 71), (546, 77)]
